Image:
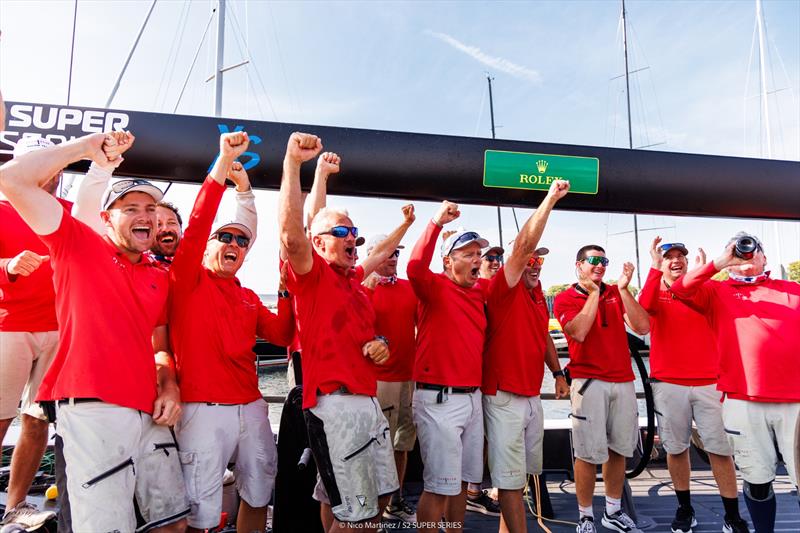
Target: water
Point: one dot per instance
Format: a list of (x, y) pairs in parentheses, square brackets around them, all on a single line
[(272, 382)]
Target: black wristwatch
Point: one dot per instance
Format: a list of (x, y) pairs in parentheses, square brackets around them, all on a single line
[(382, 339), (558, 373), (283, 294)]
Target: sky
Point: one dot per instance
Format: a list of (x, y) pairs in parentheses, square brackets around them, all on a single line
[(422, 67)]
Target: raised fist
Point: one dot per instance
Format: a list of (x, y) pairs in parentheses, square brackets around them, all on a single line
[(238, 175), (116, 143), (233, 144), (25, 263), (302, 147), (328, 163), (448, 212), (558, 189), (408, 214)]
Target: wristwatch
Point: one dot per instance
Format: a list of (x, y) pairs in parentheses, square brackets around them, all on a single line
[(558, 373), (283, 294), (382, 339)]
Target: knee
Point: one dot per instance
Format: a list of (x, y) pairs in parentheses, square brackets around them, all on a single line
[(759, 492), (34, 426)]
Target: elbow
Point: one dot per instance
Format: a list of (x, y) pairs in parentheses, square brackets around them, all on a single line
[(292, 242)]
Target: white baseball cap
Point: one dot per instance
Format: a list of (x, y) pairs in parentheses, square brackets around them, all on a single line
[(462, 238), (31, 144)]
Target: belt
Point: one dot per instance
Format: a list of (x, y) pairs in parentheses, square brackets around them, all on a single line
[(340, 390), (446, 389), (222, 404), (73, 401)]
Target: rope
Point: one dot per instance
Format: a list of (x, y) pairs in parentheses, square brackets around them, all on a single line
[(539, 518)]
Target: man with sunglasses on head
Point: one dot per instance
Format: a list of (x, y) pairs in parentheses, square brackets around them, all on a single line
[(756, 323), (604, 411), (115, 402), (447, 400), (683, 373), (224, 418), (395, 307), (513, 365), (348, 434)]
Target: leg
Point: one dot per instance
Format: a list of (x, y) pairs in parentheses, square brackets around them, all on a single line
[(326, 515), (512, 511), (430, 511), (585, 475), (401, 460), (456, 508), (26, 458), (680, 470), (725, 474), (4, 425), (176, 527), (251, 519)]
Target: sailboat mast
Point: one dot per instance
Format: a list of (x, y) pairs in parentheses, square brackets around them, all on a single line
[(630, 136), (491, 116), (220, 58)]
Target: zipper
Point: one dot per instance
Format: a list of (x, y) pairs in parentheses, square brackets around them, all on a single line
[(164, 445), (110, 472)]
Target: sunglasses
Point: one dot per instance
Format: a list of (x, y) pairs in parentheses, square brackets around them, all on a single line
[(227, 237), (123, 185), (340, 232), (396, 253), (596, 260), (666, 246), (493, 258), (467, 237), (533, 261)]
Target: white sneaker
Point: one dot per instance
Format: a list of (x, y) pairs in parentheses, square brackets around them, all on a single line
[(586, 525), (619, 521), (26, 515)]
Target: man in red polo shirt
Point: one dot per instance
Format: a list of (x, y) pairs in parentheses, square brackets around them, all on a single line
[(348, 433), (683, 373), (395, 307), (114, 403), (224, 416), (447, 400), (513, 366), (756, 322), (604, 413)]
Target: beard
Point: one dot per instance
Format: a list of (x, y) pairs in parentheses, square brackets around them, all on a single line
[(165, 249)]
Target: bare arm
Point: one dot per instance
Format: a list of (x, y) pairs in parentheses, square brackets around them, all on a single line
[(21, 179), (301, 148), (635, 315), (386, 247), (528, 239), (579, 327), (328, 163), (167, 407), (552, 362)]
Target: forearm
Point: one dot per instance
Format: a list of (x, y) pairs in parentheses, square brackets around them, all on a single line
[(32, 170), (638, 319), (246, 210), (219, 172), (580, 326), (422, 254), (385, 248), (90, 193), (5, 277), (165, 371), (551, 355), (689, 284), (532, 230), (290, 218), (317, 198)]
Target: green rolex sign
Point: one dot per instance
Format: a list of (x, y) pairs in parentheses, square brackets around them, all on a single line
[(517, 170)]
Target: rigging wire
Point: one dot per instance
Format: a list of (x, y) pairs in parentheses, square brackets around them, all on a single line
[(172, 50), (746, 87), (194, 60), (72, 51), (289, 86), (480, 110), (238, 33)]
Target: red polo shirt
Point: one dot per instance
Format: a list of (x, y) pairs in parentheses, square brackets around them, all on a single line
[(682, 346), (335, 319), (604, 353), (107, 308), (452, 321), (395, 307), (516, 338), (757, 328), (27, 303), (214, 321)]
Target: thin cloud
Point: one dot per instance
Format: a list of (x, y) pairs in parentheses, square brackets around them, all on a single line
[(494, 62)]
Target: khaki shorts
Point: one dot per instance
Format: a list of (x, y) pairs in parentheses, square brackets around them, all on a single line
[(119, 463), (515, 432), (450, 438), (604, 417), (210, 437), (395, 398), (677, 405), (754, 429), (24, 360), (349, 437)]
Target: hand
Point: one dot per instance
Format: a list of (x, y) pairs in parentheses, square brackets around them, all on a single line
[(377, 351), (232, 145), (448, 212), (408, 214), (586, 282), (700, 259), (728, 258), (655, 254), (117, 143), (93, 148), (238, 176), (284, 276), (558, 189), (371, 281), (302, 147), (167, 407), (328, 163), (26, 263), (627, 275), (562, 389)]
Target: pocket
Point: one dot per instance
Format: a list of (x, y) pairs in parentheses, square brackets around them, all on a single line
[(361, 449), (500, 399), (165, 447), (110, 472), (189, 467)]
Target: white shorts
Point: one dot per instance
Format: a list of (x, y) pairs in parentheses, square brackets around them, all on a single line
[(119, 464), (349, 437), (450, 438), (677, 405), (210, 437), (604, 417), (754, 429), (515, 432), (395, 398), (24, 360)]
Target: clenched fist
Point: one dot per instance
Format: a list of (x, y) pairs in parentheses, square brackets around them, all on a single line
[(25, 263), (448, 212), (233, 144), (302, 147)]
